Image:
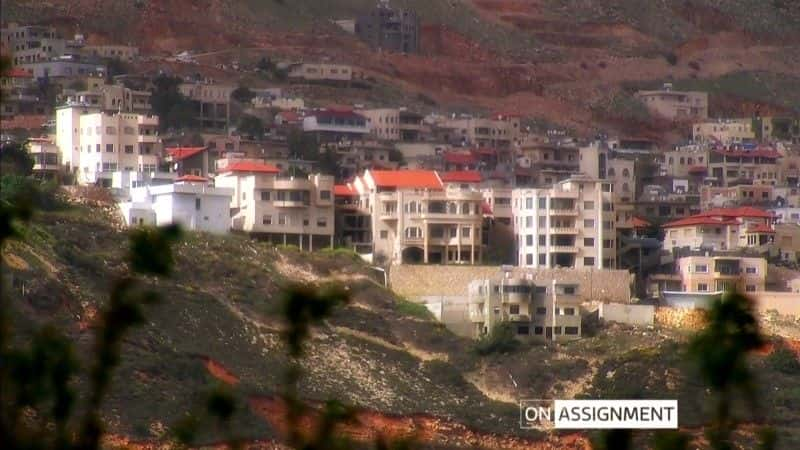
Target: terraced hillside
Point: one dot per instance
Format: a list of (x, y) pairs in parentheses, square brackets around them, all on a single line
[(220, 322), (558, 60)]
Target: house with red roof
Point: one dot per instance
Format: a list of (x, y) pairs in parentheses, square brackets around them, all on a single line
[(416, 217), (282, 209), (199, 161), (722, 229)]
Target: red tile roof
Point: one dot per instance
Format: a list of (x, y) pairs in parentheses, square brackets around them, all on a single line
[(192, 178), (461, 176), (700, 220), (744, 211), (421, 179), (459, 158), (248, 166), (698, 169), (181, 153), (289, 116), (638, 222), (344, 190), (760, 228)]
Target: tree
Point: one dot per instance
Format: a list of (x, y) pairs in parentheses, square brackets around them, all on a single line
[(243, 94), (15, 160), (251, 126), (173, 108), (303, 146)]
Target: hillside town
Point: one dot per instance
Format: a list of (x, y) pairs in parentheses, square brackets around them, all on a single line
[(403, 185), (400, 224)]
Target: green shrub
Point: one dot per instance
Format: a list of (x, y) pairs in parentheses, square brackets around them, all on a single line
[(412, 309), (500, 340), (783, 360)]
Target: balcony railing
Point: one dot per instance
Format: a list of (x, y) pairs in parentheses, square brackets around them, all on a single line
[(563, 212), (563, 249)]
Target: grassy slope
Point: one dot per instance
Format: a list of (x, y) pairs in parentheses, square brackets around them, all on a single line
[(222, 303)]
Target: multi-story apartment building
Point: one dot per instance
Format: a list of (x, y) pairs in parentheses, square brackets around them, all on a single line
[(542, 164), (284, 209), (94, 144), (355, 157), (410, 125), (321, 72), (33, 43), (497, 131), (120, 52), (723, 229), (733, 166), (741, 195), (416, 219), (383, 123), (571, 224), (353, 226), (726, 132), (710, 272), (675, 105), (191, 202), (685, 162), (538, 312), (45, 157), (213, 103), (385, 28), (498, 227), (113, 98), (65, 66), (333, 125)]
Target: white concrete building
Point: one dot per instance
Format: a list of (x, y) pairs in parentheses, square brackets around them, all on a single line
[(95, 144), (190, 202), (571, 224), (287, 210)]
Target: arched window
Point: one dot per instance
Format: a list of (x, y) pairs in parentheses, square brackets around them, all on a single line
[(671, 160), (411, 207), (682, 161), (626, 173), (465, 208), (452, 208), (625, 187)]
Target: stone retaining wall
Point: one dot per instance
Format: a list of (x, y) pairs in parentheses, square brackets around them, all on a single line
[(415, 281)]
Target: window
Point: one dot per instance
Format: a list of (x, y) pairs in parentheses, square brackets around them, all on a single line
[(529, 259), (542, 259), (588, 223), (750, 270), (529, 240), (465, 232), (110, 130), (305, 221), (702, 287), (588, 242), (701, 268), (608, 243), (266, 220), (571, 330), (750, 288), (282, 219), (513, 309), (264, 196), (569, 311), (384, 234), (197, 204), (588, 205), (556, 330), (588, 261), (322, 222), (542, 203), (540, 311), (542, 239), (324, 195), (538, 330), (109, 148)]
